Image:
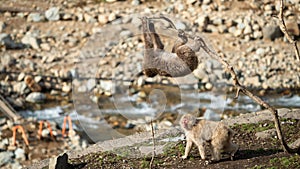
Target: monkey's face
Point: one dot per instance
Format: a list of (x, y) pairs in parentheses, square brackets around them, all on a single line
[(187, 122)]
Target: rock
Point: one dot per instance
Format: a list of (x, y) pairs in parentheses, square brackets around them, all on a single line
[(247, 30), (5, 157), (35, 97), (206, 2), (66, 88), (89, 18), (106, 85), (2, 26), (45, 133), (266, 134), (16, 165), (126, 34), (90, 84), (112, 16), (260, 52), (21, 76), (272, 32), (35, 17), (6, 40), (180, 25), (31, 40), (103, 19), (20, 154), (208, 86), (254, 80), (20, 88), (52, 14), (7, 60), (45, 46), (135, 2)]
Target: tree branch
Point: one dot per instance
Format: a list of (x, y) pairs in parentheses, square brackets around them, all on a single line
[(154, 149), (241, 88), (284, 30)]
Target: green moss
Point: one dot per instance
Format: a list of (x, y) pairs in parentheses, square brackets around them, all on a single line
[(145, 163), (286, 162), (174, 149), (255, 127)]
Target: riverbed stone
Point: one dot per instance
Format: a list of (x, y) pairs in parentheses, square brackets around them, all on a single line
[(7, 41), (35, 17), (5, 157), (31, 40), (271, 32), (20, 154), (36, 97), (2, 26), (52, 14)]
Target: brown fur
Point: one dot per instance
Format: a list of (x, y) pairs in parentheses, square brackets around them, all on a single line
[(180, 62), (216, 134)]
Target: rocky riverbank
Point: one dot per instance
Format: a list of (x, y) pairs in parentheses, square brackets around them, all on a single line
[(52, 43), (255, 135)]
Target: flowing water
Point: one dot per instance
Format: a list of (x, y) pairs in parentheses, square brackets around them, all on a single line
[(88, 116)]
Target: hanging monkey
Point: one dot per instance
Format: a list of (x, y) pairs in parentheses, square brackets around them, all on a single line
[(181, 61)]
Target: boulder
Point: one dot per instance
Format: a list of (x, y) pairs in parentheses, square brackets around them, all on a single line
[(52, 14), (35, 97)]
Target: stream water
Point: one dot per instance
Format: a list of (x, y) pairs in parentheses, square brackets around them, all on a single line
[(88, 116)]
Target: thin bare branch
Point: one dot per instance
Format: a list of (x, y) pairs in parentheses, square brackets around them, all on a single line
[(154, 149), (284, 30)]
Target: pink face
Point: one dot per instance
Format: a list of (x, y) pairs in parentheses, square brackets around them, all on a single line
[(185, 122)]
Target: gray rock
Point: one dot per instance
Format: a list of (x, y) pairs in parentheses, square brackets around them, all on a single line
[(271, 32), (89, 18), (126, 34), (21, 76), (20, 154), (180, 25), (266, 134), (20, 88), (135, 2), (106, 85), (35, 17), (16, 165), (136, 21), (91, 83), (7, 60), (6, 40), (35, 97), (5, 157), (261, 52), (52, 14), (2, 25), (31, 40)]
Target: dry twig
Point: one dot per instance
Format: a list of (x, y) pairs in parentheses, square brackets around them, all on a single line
[(284, 30), (154, 149)]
